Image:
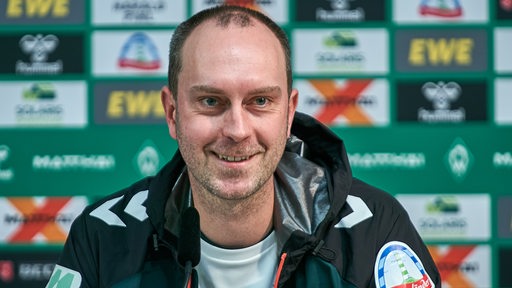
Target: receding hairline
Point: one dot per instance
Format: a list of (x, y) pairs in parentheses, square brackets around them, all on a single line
[(222, 25), (225, 16)]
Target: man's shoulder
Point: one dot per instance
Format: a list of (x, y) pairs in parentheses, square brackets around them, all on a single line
[(374, 197), (120, 208)]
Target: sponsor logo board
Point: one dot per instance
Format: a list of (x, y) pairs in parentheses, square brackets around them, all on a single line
[(504, 264), (333, 11), (138, 12), (131, 53), (449, 217), (42, 53), (275, 9), (505, 217), (440, 11), (502, 101), (128, 103), (74, 162), (38, 219), (444, 101), (502, 55), (387, 160), (60, 104), (27, 268), (334, 51), (345, 102), (441, 50), (503, 11), (26, 12), (466, 266)]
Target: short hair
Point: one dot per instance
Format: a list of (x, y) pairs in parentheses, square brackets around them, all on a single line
[(224, 16)]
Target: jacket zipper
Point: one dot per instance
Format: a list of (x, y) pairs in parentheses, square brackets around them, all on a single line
[(280, 269)]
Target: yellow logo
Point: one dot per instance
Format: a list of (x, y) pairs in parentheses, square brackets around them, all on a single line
[(134, 104), (453, 51), (37, 8)]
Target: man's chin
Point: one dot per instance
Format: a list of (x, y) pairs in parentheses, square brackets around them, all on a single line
[(232, 194)]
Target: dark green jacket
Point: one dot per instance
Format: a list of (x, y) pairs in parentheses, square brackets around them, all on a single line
[(333, 230)]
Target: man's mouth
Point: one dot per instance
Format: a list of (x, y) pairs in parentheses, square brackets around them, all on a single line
[(232, 158)]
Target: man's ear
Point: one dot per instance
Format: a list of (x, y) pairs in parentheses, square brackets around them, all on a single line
[(293, 101), (169, 106)]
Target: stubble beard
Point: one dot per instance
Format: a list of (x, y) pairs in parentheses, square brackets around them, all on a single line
[(213, 193)]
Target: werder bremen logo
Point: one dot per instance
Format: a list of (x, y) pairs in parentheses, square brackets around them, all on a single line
[(459, 159), (147, 160)]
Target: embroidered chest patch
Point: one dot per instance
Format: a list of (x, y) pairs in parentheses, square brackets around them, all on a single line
[(397, 266)]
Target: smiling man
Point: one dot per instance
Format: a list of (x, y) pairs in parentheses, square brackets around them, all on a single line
[(276, 202)]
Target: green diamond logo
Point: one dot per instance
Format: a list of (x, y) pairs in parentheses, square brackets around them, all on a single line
[(459, 159), (148, 159)]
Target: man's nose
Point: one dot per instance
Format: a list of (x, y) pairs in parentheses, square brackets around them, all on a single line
[(236, 124)]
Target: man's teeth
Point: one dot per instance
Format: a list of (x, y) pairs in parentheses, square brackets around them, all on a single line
[(233, 158)]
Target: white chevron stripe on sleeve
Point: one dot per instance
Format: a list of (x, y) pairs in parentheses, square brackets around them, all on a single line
[(103, 213)]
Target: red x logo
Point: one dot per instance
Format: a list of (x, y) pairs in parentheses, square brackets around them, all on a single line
[(342, 100), (449, 263), (40, 218)]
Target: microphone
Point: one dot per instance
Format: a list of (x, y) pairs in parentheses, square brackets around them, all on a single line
[(189, 245)]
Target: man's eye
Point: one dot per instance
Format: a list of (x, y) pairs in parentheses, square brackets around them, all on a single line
[(261, 101), (210, 102)]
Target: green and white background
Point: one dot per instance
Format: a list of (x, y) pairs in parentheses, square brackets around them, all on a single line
[(421, 92)]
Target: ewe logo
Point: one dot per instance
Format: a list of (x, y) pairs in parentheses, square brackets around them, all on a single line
[(459, 159), (39, 47)]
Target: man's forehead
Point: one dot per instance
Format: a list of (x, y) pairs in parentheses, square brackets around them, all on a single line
[(215, 24)]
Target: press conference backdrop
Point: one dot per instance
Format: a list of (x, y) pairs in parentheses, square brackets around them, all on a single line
[(421, 92)]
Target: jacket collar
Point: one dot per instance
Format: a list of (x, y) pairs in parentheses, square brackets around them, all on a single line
[(307, 201)]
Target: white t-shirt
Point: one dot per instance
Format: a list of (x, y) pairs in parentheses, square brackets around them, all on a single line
[(249, 267)]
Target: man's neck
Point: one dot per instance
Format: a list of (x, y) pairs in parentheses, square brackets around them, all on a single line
[(236, 223)]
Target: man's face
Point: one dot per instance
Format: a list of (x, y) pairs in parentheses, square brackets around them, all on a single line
[(233, 114)]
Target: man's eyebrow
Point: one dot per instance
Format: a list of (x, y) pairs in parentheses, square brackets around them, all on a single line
[(206, 89), (213, 90), (266, 90)]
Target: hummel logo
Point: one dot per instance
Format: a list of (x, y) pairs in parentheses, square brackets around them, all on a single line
[(134, 208)]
